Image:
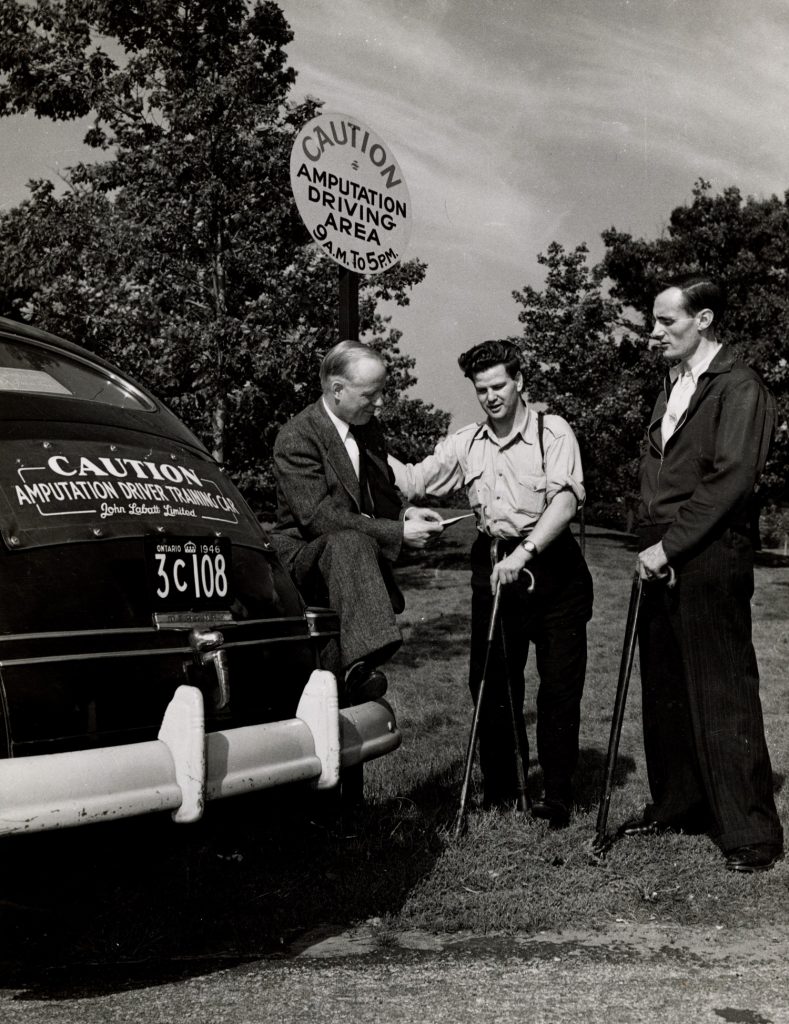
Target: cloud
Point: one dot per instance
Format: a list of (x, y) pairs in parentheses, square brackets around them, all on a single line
[(523, 99), (517, 122)]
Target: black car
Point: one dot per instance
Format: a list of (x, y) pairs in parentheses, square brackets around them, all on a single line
[(153, 652)]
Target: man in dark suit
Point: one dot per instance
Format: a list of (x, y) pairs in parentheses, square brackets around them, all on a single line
[(340, 522), (707, 443)]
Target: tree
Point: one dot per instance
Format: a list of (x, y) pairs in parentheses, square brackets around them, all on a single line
[(582, 359), (180, 254)]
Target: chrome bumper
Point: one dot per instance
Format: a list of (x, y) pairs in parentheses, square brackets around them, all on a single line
[(186, 766)]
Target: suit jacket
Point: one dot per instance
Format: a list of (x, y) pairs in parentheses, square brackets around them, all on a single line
[(318, 490), (703, 482)]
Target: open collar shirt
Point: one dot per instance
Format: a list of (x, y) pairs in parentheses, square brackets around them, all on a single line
[(684, 379), (507, 483)]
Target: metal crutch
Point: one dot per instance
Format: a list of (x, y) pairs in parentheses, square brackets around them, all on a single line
[(625, 668), (522, 799), (600, 844), (472, 740)]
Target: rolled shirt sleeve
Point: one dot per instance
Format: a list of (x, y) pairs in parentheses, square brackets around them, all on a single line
[(563, 467)]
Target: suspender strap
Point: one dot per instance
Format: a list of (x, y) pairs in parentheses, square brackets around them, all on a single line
[(540, 421)]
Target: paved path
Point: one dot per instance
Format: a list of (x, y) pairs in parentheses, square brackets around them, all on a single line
[(628, 974)]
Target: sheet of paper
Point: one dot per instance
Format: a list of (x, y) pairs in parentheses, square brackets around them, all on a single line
[(456, 519)]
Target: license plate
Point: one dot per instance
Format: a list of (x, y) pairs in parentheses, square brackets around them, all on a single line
[(189, 573)]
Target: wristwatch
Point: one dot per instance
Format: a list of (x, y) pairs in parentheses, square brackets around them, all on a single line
[(530, 546)]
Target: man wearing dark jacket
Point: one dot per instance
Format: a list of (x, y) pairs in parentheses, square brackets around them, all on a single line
[(340, 522), (706, 446)]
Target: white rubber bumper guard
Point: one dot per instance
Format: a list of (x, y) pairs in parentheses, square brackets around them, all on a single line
[(186, 766)]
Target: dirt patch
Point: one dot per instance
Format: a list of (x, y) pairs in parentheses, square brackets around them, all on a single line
[(616, 943)]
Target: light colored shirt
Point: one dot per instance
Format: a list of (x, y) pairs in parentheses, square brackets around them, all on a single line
[(686, 379), (347, 438), (507, 484)]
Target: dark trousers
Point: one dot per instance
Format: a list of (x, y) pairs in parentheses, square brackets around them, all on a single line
[(707, 758), (347, 569), (553, 619)]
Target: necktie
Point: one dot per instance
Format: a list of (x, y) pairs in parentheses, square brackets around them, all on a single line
[(366, 502)]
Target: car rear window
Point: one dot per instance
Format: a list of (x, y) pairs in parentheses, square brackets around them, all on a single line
[(38, 369)]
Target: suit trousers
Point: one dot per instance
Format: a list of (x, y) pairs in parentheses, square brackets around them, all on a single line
[(707, 759), (346, 568), (553, 619)]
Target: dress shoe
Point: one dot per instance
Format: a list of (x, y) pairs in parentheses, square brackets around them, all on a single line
[(555, 812), (695, 823), (645, 827), (756, 857), (363, 683)]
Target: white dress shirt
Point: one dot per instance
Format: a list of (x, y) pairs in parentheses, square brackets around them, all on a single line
[(347, 438)]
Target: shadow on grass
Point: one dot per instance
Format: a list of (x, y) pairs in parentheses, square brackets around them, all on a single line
[(588, 778), (442, 637), (590, 773), (412, 566), (126, 905)]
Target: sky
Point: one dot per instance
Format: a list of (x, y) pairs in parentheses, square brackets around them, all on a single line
[(521, 122)]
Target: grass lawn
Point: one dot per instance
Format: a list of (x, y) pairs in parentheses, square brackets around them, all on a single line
[(256, 873), (509, 871)]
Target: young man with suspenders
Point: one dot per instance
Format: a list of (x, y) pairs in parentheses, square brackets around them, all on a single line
[(522, 473)]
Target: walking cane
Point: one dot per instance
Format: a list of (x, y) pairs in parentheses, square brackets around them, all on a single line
[(625, 668), (472, 740)]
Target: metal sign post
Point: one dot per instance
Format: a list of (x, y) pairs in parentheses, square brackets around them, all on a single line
[(349, 305)]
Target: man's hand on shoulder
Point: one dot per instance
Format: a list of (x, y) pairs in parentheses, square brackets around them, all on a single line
[(421, 526)]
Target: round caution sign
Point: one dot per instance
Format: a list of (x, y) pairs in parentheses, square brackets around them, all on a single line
[(350, 193)]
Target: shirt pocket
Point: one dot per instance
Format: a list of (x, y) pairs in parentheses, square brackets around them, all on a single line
[(475, 488), (529, 493)]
